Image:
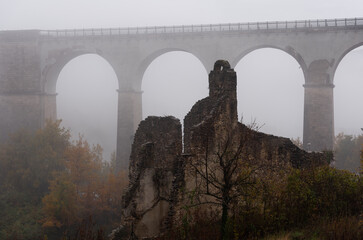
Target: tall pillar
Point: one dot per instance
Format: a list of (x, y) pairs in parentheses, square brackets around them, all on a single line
[(24, 110), (19, 111), (49, 107), (129, 117), (318, 108), (21, 97)]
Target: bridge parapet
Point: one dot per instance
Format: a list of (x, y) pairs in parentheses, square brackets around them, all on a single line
[(273, 26)]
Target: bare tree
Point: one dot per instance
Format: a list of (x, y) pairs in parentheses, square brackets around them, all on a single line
[(222, 176)]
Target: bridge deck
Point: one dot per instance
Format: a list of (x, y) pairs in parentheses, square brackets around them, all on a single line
[(325, 24)]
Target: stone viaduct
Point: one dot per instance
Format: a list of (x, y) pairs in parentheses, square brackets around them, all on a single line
[(31, 60)]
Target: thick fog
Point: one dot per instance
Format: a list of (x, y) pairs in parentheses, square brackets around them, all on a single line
[(269, 81), (87, 100)]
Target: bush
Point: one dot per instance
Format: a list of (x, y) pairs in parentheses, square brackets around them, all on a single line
[(324, 200), (323, 192)]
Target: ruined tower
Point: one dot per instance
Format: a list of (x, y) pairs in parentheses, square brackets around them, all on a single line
[(162, 176)]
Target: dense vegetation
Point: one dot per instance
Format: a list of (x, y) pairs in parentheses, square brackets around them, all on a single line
[(265, 202), (317, 203), (53, 188)]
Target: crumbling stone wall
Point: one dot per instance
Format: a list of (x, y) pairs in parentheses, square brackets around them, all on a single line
[(276, 151), (215, 115), (154, 162), (161, 175)]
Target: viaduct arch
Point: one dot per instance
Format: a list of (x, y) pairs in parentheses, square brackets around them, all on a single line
[(177, 76), (272, 80), (31, 60)]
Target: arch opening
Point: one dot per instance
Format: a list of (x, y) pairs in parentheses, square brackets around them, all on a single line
[(172, 83), (87, 100), (270, 92), (348, 99)]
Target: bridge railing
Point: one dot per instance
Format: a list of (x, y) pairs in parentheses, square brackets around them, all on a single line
[(235, 27)]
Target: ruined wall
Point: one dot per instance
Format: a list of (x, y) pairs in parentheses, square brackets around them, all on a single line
[(154, 164), (276, 151), (162, 177), (215, 115)]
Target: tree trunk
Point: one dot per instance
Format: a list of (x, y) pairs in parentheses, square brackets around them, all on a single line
[(224, 221)]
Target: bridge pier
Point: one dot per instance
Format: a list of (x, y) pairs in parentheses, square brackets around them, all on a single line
[(19, 111), (318, 117), (49, 107), (21, 95), (25, 111), (128, 119), (318, 108)]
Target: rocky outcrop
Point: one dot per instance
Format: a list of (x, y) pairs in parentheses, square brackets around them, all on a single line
[(161, 173)]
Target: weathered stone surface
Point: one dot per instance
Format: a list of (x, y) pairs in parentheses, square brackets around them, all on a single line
[(20, 62), (220, 106), (319, 108), (276, 151), (21, 100), (161, 175), (155, 155)]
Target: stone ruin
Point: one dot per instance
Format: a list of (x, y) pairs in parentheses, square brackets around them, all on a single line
[(161, 173)]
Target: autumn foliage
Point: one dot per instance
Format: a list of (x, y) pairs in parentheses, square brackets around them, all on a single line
[(53, 188), (63, 184)]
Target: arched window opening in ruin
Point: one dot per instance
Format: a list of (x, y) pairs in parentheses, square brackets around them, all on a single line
[(87, 100), (348, 93), (172, 83), (219, 65), (270, 92)]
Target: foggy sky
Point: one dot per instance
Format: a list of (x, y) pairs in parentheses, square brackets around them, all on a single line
[(269, 80), (58, 14)]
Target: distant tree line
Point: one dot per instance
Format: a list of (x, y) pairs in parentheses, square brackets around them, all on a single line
[(347, 152)]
